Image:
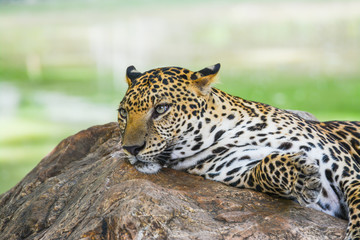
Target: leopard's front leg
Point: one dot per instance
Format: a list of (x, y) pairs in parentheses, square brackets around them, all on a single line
[(290, 175), (287, 175)]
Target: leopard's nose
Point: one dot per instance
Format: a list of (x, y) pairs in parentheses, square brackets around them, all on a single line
[(134, 150)]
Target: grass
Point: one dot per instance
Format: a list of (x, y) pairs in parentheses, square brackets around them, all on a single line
[(23, 143), (327, 97)]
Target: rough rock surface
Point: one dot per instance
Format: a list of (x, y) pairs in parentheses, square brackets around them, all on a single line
[(85, 189), (305, 115)]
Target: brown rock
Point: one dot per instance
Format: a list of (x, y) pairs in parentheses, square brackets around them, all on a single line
[(85, 189)]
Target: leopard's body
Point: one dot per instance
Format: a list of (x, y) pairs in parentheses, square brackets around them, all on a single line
[(172, 117)]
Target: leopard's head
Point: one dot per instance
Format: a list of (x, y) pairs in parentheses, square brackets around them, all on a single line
[(159, 109)]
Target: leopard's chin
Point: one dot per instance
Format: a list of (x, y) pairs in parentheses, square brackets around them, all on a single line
[(147, 167)]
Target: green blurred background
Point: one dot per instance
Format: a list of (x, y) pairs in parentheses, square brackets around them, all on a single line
[(62, 63)]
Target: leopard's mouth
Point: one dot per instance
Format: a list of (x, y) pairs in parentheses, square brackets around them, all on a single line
[(151, 164)]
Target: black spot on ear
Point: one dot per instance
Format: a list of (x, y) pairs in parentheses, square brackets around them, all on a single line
[(132, 74), (210, 70)]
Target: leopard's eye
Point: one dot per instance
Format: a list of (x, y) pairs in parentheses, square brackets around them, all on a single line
[(162, 108), (122, 112)]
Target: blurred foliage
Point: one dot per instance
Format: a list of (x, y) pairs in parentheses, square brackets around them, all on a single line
[(24, 142), (62, 63)]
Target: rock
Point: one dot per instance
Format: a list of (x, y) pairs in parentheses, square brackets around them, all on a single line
[(304, 115), (85, 189)]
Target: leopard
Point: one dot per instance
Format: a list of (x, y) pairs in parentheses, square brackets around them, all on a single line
[(171, 117)]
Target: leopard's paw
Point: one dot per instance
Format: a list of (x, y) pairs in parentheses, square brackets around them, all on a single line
[(307, 182)]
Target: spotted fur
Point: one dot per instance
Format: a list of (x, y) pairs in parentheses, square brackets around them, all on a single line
[(172, 117)]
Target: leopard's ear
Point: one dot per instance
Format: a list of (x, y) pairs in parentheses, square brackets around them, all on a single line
[(131, 75), (207, 77)]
